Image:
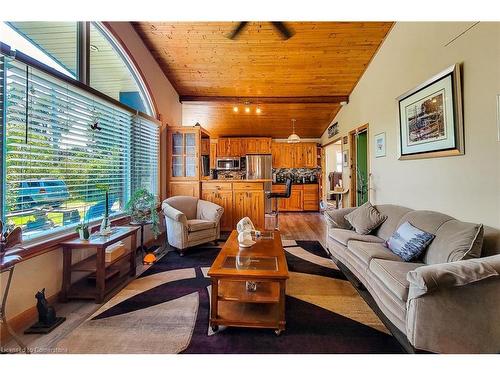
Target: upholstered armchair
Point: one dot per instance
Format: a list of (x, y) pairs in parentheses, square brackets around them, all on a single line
[(191, 221)]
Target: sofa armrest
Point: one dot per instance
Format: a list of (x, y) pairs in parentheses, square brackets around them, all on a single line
[(209, 211), (173, 213), (427, 279), (454, 307), (335, 217)]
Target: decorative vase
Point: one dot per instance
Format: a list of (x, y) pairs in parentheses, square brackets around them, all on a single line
[(105, 227), (80, 234)]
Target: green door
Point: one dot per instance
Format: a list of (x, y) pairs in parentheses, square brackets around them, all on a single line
[(361, 168)]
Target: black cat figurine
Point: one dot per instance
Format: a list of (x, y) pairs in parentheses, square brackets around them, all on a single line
[(46, 313)]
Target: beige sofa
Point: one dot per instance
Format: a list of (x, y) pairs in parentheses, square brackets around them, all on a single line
[(191, 221), (438, 303)]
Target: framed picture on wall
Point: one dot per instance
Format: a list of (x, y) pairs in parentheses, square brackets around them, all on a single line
[(498, 116), (345, 158), (379, 145), (431, 117)]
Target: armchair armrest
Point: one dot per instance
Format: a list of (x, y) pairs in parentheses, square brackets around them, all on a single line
[(454, 307), (209, 211), (173, 213), (427, 279), (335, 217)]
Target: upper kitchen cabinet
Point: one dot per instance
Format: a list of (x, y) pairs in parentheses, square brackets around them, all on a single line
[(294, 155), (257, 145), (235, 147)]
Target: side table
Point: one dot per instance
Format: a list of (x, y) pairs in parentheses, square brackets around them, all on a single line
[(108, 278)]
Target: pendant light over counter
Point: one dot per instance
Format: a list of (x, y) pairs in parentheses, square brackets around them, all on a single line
[(293, 138)]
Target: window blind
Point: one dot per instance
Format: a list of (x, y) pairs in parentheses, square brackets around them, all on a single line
[(144, 155), (65, 148)]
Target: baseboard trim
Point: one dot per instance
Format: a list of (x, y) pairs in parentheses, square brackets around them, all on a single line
[(23, 320)]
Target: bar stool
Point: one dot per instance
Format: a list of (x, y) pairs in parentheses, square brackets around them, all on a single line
[(286, 194), (7, 264)]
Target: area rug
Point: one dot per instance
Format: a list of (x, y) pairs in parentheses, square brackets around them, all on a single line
[(166, 310)]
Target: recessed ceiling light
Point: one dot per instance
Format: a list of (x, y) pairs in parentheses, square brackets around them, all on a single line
[(94, 48), (235, 109), (257, 110), (247, 109)]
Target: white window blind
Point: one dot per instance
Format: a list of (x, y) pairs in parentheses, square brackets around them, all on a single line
[(64, 148), (144, 155)]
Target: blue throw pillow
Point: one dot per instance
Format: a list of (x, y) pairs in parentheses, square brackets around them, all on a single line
[(409, 242)]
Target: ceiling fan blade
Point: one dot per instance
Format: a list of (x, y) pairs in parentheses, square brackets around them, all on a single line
[(284, 30), (238, 29)]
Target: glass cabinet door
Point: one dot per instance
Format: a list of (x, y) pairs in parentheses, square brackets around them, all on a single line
[(184, 155), (177, 155)]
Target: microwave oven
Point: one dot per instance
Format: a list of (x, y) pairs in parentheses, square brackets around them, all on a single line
[(228, 164)]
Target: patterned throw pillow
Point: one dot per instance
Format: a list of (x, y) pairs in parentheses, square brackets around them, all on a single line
[(409, 242)]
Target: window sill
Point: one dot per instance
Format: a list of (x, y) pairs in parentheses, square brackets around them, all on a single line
[(46, 245)]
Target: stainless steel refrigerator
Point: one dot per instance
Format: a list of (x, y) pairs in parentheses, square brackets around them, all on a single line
[(261, 167)]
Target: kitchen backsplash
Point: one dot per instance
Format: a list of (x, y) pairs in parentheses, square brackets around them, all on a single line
[(297, 174)]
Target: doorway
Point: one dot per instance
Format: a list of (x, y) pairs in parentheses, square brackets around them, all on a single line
[(333, 172), (359, 166)]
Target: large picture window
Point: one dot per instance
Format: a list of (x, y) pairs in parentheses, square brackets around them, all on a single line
[(64, 147)]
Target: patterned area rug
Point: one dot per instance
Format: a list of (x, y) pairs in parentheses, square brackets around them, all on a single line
[(166, 310)]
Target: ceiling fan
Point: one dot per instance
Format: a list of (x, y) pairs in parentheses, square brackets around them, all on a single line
[(284, 31)]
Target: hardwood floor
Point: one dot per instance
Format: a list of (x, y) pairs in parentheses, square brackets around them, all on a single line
[(302, 226), (297, 226)]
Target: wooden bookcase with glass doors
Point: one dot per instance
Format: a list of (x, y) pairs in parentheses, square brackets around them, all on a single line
[(183, 157)]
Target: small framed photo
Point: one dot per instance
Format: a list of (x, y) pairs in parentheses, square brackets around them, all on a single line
[(379, 145), (431, 117), (498, 117), (345, 158)]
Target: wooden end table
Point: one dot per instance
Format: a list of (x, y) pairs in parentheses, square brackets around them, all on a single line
[(264, 264), (108, 278)]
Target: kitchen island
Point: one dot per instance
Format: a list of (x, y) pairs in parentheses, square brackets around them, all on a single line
[(239, 198)]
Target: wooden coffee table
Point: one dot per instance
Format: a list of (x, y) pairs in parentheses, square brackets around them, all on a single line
[(264, 264)]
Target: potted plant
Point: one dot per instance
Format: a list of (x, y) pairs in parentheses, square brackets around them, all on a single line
[(142, 208), (83, 231)]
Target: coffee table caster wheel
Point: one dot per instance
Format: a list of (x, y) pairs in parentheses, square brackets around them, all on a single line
[(215, 328), (278, 332)]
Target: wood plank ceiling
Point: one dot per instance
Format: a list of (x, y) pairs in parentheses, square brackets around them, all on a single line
[(304, 77)]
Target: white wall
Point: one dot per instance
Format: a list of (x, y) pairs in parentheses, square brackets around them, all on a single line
[(466, 187), (45, 271)]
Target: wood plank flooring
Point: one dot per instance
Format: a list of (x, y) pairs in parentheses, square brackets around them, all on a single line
[(297, 226)]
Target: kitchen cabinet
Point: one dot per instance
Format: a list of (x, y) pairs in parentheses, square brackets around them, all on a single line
[(304, 197), (257, 145), (183, 153), (311, 197), (294, 155), (283, 155), (213, 155), (239, 199), (235, 147), (221, 194), (189, 188)]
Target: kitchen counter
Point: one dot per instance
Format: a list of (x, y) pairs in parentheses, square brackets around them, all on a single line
[(298, 183), (237, 180)]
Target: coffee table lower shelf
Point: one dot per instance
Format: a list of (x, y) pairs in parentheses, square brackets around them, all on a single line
[(235, 307)]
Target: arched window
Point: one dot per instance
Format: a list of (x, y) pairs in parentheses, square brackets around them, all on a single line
[(59, 45), (74, 129)]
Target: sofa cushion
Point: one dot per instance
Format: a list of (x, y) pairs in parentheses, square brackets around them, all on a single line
[(365, 218), (394, 214), (409, 242), (366, 251), (196, 225), (345, 235), (392, 274), (455, 240), (201, 236), (428, 221)]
